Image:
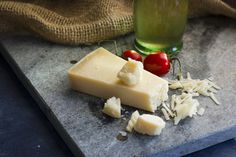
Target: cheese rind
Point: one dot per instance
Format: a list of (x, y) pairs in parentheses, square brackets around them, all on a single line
[(112, 107), (149, 124), (96, 74)]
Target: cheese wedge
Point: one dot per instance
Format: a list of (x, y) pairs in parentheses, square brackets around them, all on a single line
[(96, 74), (149, 124)]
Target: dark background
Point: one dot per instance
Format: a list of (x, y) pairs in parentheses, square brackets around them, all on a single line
[(26, 132)]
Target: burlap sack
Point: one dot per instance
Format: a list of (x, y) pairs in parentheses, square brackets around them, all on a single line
[(85, 21)]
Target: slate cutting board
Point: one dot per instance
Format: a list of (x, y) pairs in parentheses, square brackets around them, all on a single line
[(209, 50)]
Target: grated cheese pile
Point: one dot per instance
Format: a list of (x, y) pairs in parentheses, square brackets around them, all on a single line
[(195, 87), (184, 105), (181, 106)]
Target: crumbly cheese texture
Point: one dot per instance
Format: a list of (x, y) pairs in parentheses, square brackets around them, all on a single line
[(131, 73), (132, 121), (112, 107), (96, 74), (149, 124)]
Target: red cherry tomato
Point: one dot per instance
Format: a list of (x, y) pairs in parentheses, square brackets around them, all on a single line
[(157, 63), (132, 54)]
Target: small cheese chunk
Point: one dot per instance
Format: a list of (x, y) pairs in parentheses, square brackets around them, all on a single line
[(131, 73), (132, 121), (149, 124), (123, 133), (112, 107), (96, 74), (201, 111)]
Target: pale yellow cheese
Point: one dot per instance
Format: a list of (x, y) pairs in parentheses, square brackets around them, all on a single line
[(149, 124), (112, 107), (96, 74), (131, 73), (186, 107), (132, 121)]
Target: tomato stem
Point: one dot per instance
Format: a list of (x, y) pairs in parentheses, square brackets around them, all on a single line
[(179, 75)]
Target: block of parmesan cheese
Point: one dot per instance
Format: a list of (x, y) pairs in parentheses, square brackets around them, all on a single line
[(96, 74)]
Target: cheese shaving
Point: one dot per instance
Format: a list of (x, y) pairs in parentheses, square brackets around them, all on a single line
[(189, 76), (213, 84), (168, 110), (165, 114), (172, 103), (176, 85), (212, 96), (211, 78), (212, 90)]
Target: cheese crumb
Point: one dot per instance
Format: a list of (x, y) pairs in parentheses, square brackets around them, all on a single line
[(113, 107), (123, 133), (131, 73), (132, 121), (149, 124), (201, 111)]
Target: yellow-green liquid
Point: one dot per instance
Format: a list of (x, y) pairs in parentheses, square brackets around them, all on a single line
[(159, 24)]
